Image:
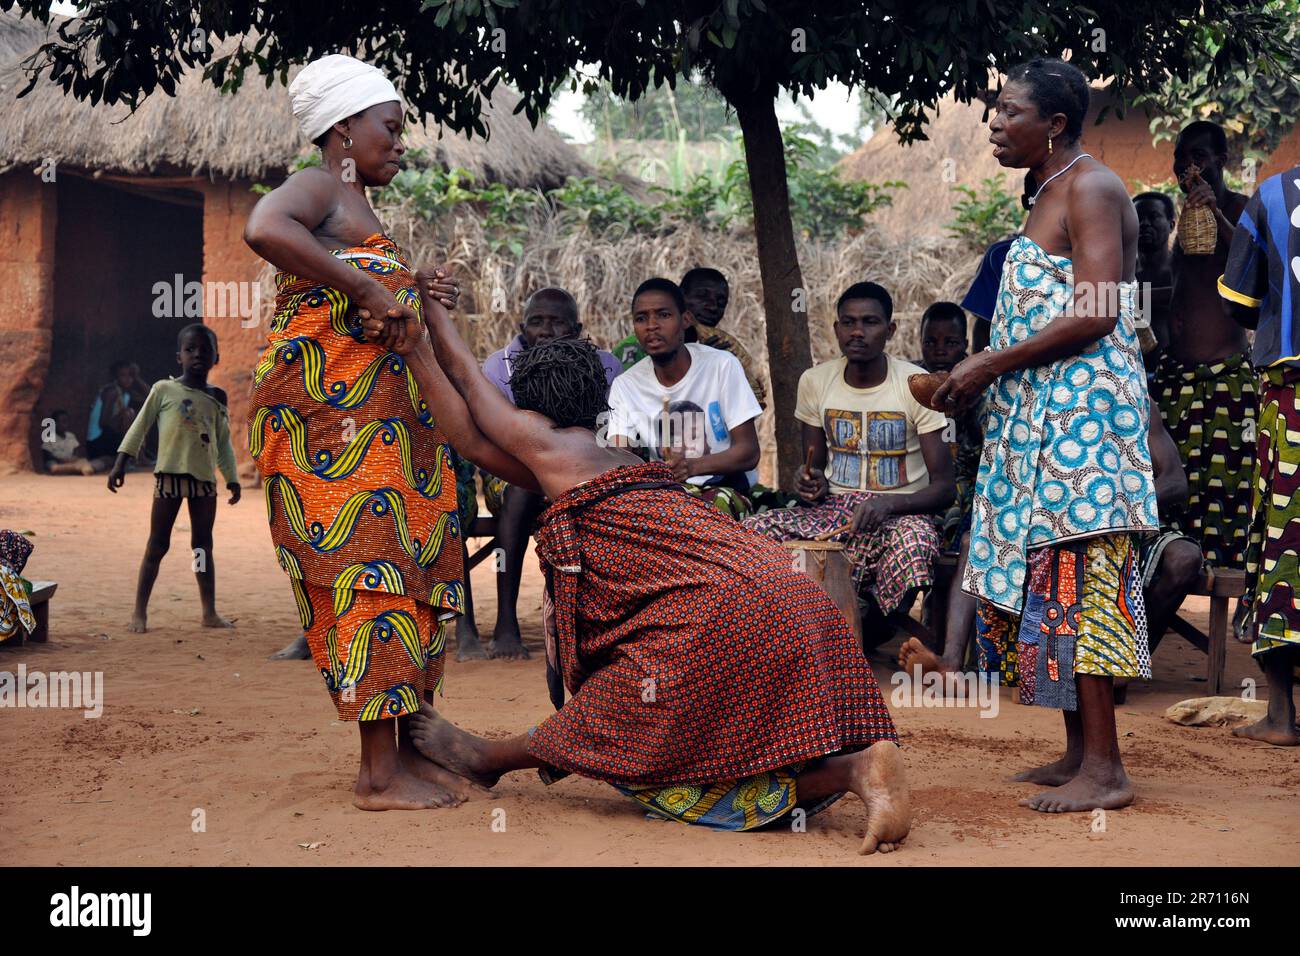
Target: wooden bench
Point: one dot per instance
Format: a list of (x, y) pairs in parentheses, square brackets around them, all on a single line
[(484, 526), (1220, 585), (42, 591)]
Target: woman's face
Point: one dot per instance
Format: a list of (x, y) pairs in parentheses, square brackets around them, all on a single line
[(1018, 131), (377, 146)]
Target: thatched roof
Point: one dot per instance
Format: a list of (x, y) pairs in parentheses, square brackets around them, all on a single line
[(957, 153), (250, 134)]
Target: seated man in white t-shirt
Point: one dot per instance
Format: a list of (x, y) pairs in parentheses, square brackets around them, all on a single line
[(881, 468), (707, 434)]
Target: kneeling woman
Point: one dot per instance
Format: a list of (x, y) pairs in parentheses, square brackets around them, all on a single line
[(710, 681)]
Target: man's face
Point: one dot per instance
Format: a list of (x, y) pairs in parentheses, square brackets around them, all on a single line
[(707, 301), (125, 377), (1154, 225), (943, 344), (1198, 149), (862, 329), (660, 329), (546, 320)]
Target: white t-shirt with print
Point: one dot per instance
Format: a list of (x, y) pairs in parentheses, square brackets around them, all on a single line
[(872, 434), (712, 398)]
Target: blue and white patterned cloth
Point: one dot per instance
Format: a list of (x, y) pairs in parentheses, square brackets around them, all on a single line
[(1065, 444)]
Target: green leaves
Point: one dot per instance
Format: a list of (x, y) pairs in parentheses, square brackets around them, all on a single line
[(985, 215)]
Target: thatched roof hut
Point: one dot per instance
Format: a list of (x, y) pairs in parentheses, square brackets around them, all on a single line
[(100, 208), (246, 135)]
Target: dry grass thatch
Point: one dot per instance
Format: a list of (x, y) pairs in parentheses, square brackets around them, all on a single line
[(602, 272), (957, 153), (250, 134)]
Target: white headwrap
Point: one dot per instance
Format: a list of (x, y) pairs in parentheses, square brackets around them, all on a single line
[(336, 87)]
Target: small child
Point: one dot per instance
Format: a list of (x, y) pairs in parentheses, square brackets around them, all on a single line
[(60, 450), (193, 433), (943, 337)]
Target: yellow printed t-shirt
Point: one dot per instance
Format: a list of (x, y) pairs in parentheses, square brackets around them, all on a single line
[(872, 434)]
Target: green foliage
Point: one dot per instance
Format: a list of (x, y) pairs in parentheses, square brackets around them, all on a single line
[(987, 214), (823, 205), (452, 53), (599, 206), (1257, 103), (692, 111)]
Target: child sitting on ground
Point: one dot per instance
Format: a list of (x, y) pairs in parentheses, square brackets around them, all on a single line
[(193, 435), (59, 449)]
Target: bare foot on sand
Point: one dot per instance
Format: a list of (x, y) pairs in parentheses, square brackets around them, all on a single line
[(295, 650), (213, 619), (880, 781), (421, 766), (448, 746), (139, 624), (1084, 793), (507, 645), (468, 646), (403, 790), (913, 654), (1279, 735), (1054, 774)]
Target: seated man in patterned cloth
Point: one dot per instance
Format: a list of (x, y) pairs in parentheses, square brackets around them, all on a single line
[(880, 467)]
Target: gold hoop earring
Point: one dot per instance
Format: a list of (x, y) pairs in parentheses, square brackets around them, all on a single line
[(347, 143), (1049, 144)]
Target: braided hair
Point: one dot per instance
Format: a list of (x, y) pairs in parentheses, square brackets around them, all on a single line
[(562, 379)]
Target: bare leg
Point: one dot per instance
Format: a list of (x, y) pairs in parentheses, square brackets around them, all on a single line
[(960, 624), (1278, 727), (385, 783), (468, 647), (1063, 770), (161, 519), (877, 776), (520, 509), (1100, 782), (1180, 566), (203, 513)]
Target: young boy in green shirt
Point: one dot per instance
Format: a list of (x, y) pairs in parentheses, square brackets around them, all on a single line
[(193, 435)]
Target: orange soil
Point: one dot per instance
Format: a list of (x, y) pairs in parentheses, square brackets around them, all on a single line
[(199, 719)]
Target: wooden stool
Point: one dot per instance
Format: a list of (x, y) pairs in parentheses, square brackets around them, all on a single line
[(825, 563), (1219, 585)]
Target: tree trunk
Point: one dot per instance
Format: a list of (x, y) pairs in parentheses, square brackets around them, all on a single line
[(788, 350)]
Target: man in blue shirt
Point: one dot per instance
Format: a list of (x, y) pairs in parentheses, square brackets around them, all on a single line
[(1261, 286)]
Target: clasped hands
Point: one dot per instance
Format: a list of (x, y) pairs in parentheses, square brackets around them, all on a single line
[(394, 325)]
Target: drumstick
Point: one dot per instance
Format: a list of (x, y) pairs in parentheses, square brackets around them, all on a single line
[(827, 535), (665, 430), (807, 465)]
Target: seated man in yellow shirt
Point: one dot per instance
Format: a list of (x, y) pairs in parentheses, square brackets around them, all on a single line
[(880, 466)]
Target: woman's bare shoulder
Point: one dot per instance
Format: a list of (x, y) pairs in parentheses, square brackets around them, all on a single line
[(1096, 179)]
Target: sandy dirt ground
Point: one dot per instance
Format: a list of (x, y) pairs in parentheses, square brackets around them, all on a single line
[(198, 719)]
